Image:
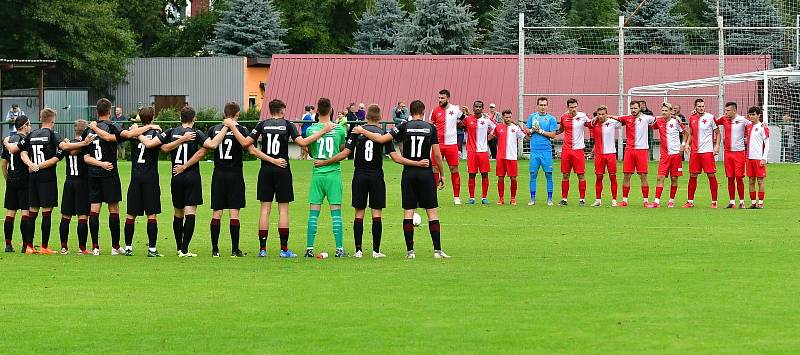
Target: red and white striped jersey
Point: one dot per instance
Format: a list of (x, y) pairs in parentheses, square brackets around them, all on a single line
[(734, 132), (573, 130), (702, 130), (507, 137), (445, 120), (478, 129), (636, 130), (605, 136), (757, 145), (669, 132)]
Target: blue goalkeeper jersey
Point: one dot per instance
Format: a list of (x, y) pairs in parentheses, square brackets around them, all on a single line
[(548, 124)]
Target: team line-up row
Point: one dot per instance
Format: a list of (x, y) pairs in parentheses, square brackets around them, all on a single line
[(92, 179)]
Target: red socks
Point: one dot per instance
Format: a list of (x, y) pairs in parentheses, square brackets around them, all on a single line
[(613, 179), (564, 189), (672, 191), (732, 188), (692, 187), (626, 190), (646, 192), (470, 186), (484, 186), (598, 186), (513, 188), (455, 179), (712, 181), (740, 187), (752, 195), (659, 189), (761, 196), (582, 188), (501, 188)]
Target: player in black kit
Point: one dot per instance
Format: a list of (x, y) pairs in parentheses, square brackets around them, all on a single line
[(16, 174), (144, 191), (227, 183), (40, 154), (368, 183), (104, 185), (185, 144), (75, 197), (417, 185), (275, 176)]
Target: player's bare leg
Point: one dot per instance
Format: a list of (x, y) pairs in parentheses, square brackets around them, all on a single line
[(757, 196), (564, 189), (283, 230), (455, 180), (626, 188), (582, 189), (645, 189)]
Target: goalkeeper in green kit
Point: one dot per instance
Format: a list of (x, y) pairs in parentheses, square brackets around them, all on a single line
[(326, 181)]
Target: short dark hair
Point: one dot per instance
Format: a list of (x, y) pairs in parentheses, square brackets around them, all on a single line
[(506, 112), (571, 101), (146, 114), (187, 114), (756, 110), (601, 108), (103, 107), (732, 104), (698, 101), (20, 121), (309, 108), (417, 107), (635, 103), (540, 99), (275, 106), (14, 106), (231, 109), (374, 113), (477, 102), (444, 92), (642, 103), (324, 106)]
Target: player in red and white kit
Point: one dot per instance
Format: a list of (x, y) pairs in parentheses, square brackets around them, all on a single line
[(757, 151), (704, 142), (734, 127), (508, 135), (604, 130), (637, 126), (670, 129), (572, 159), (445, 118), (478, 127)]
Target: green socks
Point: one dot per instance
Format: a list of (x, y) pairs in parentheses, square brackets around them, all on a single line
[(311, 234), (336, 218)]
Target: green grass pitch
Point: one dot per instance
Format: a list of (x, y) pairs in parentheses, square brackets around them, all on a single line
[(522, 279)]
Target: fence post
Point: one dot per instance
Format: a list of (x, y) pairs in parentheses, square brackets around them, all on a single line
[(721, 45), (621, 79), (797, 42), (521, 77), (766, 98)]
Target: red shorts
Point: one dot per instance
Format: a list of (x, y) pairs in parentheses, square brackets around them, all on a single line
[(449, 154), (573, 160), (754, 168), (478, 162), (671, 165), (635, 161), (506, 167), (702, 163), (734, 164), (605, 162)]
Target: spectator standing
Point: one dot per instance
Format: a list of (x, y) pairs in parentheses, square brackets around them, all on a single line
[(497, 119), (461, 134), (11, 117), (118, 120), (361, 113), (645, 110), (352, 117), (308, 116), (400, 113)]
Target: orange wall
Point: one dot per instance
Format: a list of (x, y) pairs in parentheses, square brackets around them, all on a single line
[(253, 76)]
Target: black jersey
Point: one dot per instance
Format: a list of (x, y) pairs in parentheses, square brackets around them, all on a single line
[(185, 151), (144, 161), (417, 136), (42, 145), (229, 151), (103, 150), (17, 170), (368, 155), (76, 167), (275, 134)]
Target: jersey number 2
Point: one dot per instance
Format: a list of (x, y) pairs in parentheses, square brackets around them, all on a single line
[(326, 144), (181, 154)]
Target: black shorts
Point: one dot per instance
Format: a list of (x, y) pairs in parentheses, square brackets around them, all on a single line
[(105, 189), (227, 190), (16, 195), (369, 186), (42, 192), (75, 198), (187, 190), (144, 197), (275, 183), (418, 189)]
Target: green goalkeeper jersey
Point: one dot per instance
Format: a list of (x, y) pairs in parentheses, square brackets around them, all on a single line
[(327, 146)]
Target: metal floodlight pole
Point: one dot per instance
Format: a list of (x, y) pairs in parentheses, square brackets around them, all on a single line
[(721, 44), (521, 77), (621, 76), (766, 98)]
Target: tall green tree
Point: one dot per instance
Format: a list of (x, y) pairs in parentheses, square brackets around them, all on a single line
[(594, 13), (438, 27), (85, 36), (750, 13), (378, 28), (249, 28), (321, 26), (146, 20), (504, 37), (653, 13)]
